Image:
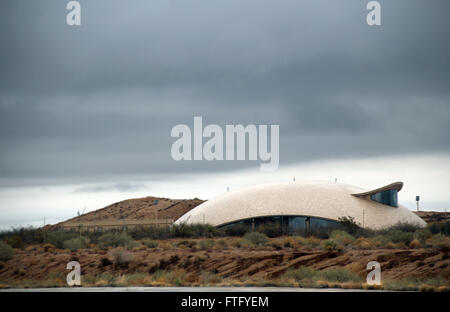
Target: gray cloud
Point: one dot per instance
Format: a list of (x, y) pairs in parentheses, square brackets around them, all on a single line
[(120, 187), (100, 100)]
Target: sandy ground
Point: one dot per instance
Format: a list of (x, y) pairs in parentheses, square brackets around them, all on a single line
[(34, 263)]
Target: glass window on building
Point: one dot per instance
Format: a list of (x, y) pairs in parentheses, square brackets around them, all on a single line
[(388, 197), (282, 225)]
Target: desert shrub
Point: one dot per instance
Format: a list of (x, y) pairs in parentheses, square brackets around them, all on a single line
[(206, 244), (390, 245), (302, 273), (48, 247), (286, 242), (406, 284), (222, 243), (363, 243), (330, 244), (422, 235), (440, 242), (349, 225), (415, 244), (307, 276), (6, 251), (152, 232), (277, 245), (137, 278), (175, 231), (187, 243), (234, 230), (193, 230), (165, 245), (404, 227), (54, 279), (24, 235), (169, 278), (439, 228), (75, 243), (114, 239), (342, 237), (150, 243), (339, 275), (378, 241), (57, 238), (256, 238), (397, 236), (105, 278), (132, 244), (15, 241), (236, 243), (121, 257), (208, 278), (309, 242)]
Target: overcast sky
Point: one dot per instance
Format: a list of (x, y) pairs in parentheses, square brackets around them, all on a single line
[(96, 103)]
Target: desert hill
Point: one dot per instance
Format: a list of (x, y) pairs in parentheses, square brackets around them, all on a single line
[(147, 208)]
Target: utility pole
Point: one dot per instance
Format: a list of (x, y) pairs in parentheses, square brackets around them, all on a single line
[(364, 215)]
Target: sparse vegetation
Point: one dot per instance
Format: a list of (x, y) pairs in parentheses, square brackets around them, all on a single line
[(115, 239), (256, 238), (440, 242), (234, 230), (422, 235), (349, 225), (206, 244), (333, 277), (57, 238), (150, 243), (398, 236), (193, 230), (415, 244), (415, 284), (331, 244), (75, 243), (309, 242), (121, 257), (6, 251), (439, 228), (342, 237), (158, 257)]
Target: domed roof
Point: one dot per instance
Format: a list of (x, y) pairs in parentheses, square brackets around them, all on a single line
[(317, 199)]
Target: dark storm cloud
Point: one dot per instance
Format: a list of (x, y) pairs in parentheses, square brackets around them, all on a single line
[(101, 99)]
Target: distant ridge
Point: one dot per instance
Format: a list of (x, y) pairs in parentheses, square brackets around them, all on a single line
[(433, 216)]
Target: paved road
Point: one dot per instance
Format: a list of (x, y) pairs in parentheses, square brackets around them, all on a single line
[(185, 289)]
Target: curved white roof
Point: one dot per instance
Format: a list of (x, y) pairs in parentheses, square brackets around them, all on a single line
[(318, 199)]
